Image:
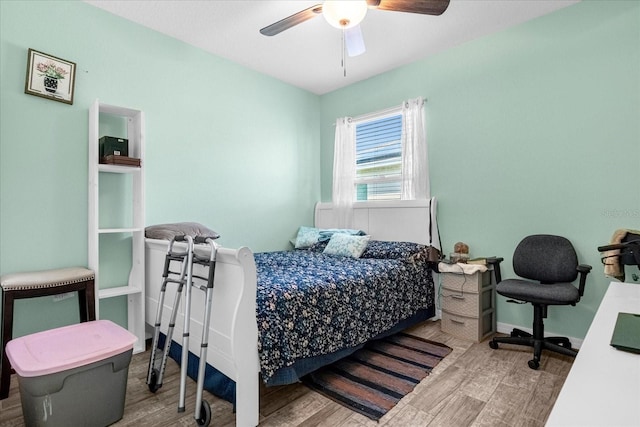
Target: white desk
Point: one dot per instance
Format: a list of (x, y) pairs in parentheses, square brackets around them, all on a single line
[(603, 386)]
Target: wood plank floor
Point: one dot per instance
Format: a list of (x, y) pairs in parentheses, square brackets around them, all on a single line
[(472, 386)]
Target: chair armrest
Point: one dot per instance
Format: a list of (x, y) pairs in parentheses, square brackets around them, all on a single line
[(495, 263), (583, 269)]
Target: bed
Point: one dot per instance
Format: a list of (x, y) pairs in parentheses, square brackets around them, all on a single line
[(280, 315)]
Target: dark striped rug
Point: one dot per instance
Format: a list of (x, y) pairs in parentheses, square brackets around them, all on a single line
[(373, 380)]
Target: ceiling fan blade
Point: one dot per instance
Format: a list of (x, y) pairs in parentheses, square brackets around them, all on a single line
[(293, 20), (354, 41), (425, 7)]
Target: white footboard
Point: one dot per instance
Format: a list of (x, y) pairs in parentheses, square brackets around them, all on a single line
[(233, 333)]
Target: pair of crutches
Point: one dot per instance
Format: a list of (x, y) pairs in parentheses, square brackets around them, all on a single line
[(184, 278)]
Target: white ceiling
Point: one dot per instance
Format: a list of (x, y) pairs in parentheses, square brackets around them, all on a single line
[(308, 55)]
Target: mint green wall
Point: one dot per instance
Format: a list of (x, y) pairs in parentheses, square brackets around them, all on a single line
[(532, 130), (226, 146)]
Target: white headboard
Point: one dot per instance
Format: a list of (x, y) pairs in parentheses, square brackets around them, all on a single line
[(399, 220)]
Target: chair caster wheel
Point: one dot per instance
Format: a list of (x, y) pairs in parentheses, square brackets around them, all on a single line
[(493, 344), (534, 364)]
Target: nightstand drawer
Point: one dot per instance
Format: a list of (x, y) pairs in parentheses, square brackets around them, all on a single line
[(467, 303), (458, 303), (468, 328), (466, 282)]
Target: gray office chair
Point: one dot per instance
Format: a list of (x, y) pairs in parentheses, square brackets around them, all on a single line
[(547, 264)]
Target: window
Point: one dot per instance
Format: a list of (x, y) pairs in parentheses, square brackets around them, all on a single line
[(379, 157)]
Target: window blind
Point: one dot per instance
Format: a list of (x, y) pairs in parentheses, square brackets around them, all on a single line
[(379, 156)]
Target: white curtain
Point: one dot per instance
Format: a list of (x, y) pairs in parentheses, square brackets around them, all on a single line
[(415, 173), (344, 172)]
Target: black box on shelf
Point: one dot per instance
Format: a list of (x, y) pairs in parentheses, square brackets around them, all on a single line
[(110, 145)]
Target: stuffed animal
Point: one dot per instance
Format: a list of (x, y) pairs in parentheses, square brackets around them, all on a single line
[(460, 252), (461, 248)]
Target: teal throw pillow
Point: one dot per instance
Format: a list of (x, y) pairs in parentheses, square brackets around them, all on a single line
[(307, 236)]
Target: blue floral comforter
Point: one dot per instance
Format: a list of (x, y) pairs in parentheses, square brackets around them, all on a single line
[(310, 304)]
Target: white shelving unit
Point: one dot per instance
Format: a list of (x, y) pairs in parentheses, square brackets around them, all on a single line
[(116, 216)]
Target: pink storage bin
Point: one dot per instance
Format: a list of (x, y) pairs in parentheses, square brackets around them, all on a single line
[(74, 375), (60, 349)]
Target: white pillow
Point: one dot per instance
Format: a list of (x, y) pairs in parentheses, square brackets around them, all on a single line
[(346, 245)]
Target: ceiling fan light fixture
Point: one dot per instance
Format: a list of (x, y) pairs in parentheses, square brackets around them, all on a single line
[(344, 14)]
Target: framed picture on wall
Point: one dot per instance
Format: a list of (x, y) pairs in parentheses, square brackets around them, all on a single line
[(50, 77)]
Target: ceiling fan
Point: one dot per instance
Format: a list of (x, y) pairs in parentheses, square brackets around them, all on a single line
[(347, 16)]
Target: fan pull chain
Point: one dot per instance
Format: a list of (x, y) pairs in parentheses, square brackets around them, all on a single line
[(344, 55)]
